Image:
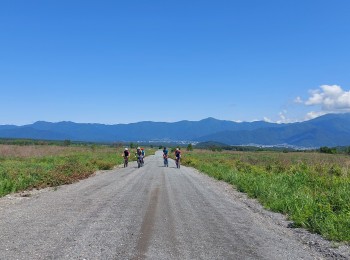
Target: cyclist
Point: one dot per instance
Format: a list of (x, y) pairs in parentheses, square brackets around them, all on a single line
[(165, 156), (165, 151), (126, 155), (143, 152), (138, 154), (177, 157)]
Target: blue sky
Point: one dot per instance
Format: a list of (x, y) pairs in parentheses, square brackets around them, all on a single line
[(127, 61)]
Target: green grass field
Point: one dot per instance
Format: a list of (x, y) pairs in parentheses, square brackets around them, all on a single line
[(312, 189), (40, 166)]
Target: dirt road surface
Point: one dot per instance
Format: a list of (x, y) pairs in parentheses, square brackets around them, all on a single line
[(147, 213)]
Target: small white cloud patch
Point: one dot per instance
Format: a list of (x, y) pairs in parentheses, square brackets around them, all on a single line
[(284, 118), (314, 114), (298, 100), (268, 120)]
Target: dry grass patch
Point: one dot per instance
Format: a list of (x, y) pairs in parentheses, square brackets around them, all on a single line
[(30, 151)]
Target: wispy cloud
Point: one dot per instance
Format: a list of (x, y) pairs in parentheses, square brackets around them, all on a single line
[(283, 118), (314, 114), (298, 100), (269, 120)]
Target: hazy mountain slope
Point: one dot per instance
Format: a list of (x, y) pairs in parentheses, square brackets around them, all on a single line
[(28, 132), (330, 130), (145, 131)]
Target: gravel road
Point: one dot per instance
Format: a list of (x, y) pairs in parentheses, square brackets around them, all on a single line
[(147, 213)]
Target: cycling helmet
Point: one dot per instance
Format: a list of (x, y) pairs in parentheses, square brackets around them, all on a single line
[(138, 148), (126, 149), (177, 149)]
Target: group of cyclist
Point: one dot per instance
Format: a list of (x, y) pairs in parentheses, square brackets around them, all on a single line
[(177, 157), (140, 154)]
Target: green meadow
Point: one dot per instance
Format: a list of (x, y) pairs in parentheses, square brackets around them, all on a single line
[(312, 189), (39, 166)]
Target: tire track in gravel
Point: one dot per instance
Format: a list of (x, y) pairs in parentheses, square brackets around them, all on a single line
[(147, 225)]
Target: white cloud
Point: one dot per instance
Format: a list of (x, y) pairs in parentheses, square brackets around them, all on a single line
[(331, 98), (298, 100), (326, 99), (268, 120), (284, 118), (314, 114)]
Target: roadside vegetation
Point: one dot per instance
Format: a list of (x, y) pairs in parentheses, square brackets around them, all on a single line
[(311, 188), (25, 165)]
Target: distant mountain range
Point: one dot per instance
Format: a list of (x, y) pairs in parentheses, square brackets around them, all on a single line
[(327, 130)]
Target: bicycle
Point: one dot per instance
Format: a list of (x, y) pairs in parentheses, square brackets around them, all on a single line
[(177, 161), (139, 161), (126, 161), (166, 164)]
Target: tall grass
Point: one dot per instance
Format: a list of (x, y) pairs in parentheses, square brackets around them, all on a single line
[(23, 167), (312, 189), (29, 151)]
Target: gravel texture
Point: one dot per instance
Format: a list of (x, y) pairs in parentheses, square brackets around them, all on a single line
[(150, 213)]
